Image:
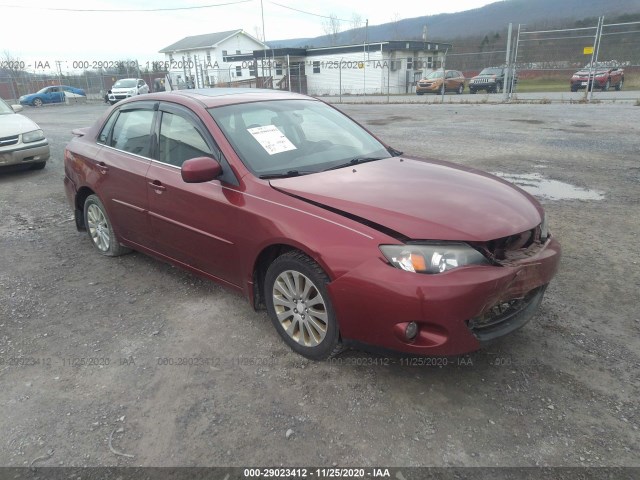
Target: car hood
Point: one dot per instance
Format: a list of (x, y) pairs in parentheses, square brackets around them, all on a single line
[(584, 73), (421, 199), (123, 89), (15, 124)]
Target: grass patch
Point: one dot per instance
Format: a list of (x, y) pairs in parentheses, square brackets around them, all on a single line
[(532, 85)]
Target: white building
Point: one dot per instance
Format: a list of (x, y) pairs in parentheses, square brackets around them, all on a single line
[(235, 58), (375, 68), (212, 59)]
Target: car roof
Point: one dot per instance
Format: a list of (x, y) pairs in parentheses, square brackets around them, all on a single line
[(212, 97)]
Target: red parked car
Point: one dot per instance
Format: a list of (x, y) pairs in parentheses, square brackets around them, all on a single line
[(604, 78), (344, 240)]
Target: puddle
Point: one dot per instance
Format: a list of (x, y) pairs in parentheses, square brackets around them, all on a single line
[(537, 185)]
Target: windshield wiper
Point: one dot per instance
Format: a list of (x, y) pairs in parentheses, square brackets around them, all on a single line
[(394, 152), (290, 173), (354, 161)]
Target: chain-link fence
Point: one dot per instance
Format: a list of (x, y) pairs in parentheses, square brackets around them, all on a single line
[(542, 60)]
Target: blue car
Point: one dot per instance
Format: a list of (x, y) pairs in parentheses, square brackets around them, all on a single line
[(53, 94)]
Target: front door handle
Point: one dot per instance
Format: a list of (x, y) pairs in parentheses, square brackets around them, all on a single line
[(103, 168)]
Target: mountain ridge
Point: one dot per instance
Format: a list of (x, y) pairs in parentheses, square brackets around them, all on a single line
[(446, 27)]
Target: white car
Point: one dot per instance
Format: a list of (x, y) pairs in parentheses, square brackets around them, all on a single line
[(22, 142), (127, 87)]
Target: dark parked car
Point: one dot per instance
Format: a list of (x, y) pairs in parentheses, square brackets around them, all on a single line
[(491, 80), (344, 240), (52, 94), (603, 78)]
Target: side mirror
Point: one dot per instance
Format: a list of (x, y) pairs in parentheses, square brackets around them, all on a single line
[(200, 169), (17, 108)]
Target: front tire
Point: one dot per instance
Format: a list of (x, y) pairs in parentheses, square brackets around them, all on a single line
[(497, 88), (100, 230), (38, 166), (460, 89), (606, 86), (299, 306), (619, 85), (37, 102)]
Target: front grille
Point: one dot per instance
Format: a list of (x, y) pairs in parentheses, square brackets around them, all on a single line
[(7, 141), (510, 250)]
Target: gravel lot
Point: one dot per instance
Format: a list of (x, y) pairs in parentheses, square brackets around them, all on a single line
[(91, 347)]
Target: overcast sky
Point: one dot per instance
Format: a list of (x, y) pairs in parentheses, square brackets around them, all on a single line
[(33, 32)]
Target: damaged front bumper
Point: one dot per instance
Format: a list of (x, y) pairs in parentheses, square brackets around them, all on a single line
[(456, 312)]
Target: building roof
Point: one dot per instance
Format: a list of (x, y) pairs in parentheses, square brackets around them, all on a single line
[(387, 46), (207, 40)]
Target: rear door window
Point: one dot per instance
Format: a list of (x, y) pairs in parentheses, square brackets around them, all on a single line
[(132, 132)]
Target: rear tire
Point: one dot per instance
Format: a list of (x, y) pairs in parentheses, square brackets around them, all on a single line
[(99, 228), (299, 306)]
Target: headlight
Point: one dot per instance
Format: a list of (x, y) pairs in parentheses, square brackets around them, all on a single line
[(432, 257), (32, 136), (133, 91)]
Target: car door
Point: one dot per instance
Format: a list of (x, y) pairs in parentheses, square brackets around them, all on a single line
[(121, 167), (55, 95), (192, 223), (450, 81), (142, 87)]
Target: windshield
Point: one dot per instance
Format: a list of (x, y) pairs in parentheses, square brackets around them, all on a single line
[(126, 83), (436, 74), (4, 108), (294, 137), (491, 71)]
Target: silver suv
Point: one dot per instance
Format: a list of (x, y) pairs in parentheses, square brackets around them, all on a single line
[(127, 87)]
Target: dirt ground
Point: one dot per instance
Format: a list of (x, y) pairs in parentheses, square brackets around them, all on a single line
[(101, 357)]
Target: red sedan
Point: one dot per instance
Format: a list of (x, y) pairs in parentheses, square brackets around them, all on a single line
[(344, 240)]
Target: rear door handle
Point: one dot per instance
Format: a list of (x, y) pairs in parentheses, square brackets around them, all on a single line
[(157, 186)]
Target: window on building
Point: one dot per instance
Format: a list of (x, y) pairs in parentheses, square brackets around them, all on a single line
[(224, 53), (279, 68), (253, 72), (316, 67), (409, 63), (208, 56), (237, 52), (238, 71)]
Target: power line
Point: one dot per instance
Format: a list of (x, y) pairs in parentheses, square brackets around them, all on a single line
[(309, 13), (51, 9)]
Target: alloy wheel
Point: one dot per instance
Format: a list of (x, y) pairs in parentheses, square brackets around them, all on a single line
[(300, 308)]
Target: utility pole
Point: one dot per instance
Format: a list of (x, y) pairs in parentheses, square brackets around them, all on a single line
[(364, 58), (506, 87)]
